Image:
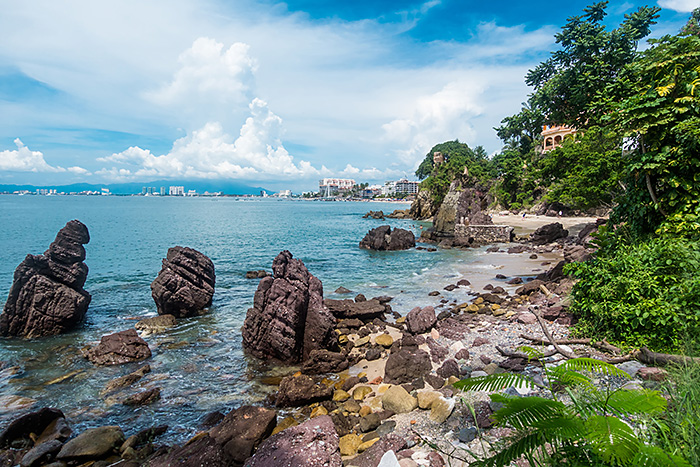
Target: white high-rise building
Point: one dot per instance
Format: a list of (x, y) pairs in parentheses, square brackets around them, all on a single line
[(176, 191)]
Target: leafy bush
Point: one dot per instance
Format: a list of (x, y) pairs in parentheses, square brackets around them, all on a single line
[(640, 295)]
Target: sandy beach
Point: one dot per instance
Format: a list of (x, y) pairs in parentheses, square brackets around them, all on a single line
[(528, 224)]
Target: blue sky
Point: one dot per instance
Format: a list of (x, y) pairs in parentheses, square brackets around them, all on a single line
[(274, 94)]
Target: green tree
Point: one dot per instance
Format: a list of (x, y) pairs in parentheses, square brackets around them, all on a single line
[(568, 85), (662, 121), (522, 130)]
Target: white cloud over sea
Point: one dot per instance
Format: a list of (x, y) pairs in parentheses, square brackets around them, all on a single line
[(249, 89)]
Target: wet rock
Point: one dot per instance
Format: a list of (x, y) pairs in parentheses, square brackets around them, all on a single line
[(342, 290), (126, 380), (41, 454), (156, 324), (374, 215), (515, 281), (373, 455), (301, 390), (202, 450), (406, 365), (554, 274), (185, 284), (548, 233), (420, 320), (288, 319), (256, 274), (383, 238), (120, 347), (140, 398), (576, 253), (242, 431), (450, 287), (312, 443), (517, 249), (19, 430), (144, 436), (324, 361), (362, 310), (47, 295), (94, 443)]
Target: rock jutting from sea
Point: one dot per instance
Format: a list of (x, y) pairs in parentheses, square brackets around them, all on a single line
[(288, 319), (384, 238), (47, 296), (185, 284)]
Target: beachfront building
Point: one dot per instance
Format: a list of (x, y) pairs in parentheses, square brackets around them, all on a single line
[(372, 191), (406, 186), (176, 191), (334, 186), (553, 136)]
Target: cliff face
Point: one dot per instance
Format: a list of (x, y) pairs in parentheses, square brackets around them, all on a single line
[(423, 207), (463, 204)]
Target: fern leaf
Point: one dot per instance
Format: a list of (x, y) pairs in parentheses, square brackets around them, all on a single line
[(652, 456), (531, 352), (523, 412), (612, 439), (594, 366), (562, 428), (636, 402), (495, 382), (568, 377), (527, 444)]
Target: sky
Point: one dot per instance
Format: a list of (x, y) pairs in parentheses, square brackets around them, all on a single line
[(266, 93)]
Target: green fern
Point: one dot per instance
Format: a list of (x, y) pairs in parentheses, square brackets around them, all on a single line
[(523, 412), (612, 439), (652, 456), (495, 382), (593, 365)]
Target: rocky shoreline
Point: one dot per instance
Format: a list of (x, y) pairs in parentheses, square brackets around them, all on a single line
[(382, 387)]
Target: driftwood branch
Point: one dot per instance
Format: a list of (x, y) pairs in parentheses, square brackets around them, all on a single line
[(645, 355), (601, 345), (508, 353), (548, 334)]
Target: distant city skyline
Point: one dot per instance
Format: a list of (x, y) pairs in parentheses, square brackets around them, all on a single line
[(270, 94)]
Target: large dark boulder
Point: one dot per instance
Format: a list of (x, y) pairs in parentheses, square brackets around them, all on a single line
[(242, 430), (406, 364), (24, 429), (298, 390), (548, 233), (313, 443), (120, 347), (202, 450), (420, 320), (185, 284), (288, 319), (383, 238), (47, 295)]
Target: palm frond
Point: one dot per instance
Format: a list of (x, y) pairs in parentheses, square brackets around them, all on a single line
[(652, 456), (495, 382), (562, 428), (612, 439), (527, 444), (568, 377), (523, 412), (639, 401), (594, 366)]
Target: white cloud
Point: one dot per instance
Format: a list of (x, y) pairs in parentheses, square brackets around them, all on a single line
[(435, 118), (23, 159), (210, 152), (211, 81), (682, 6)]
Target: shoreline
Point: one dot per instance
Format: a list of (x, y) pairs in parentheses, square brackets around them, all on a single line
[(440, 342)]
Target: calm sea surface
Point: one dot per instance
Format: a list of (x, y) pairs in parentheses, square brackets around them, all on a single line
[(199, 365)]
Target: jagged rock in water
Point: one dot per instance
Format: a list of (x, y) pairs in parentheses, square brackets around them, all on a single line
[(288, 319), (423, 207), (185, 284), (374, 215), (348, 309), (548, 233), (462, 205), (120, 347), (47, 295), (383, 238)]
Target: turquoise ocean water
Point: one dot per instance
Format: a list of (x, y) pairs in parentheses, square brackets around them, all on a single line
[(199, 365)]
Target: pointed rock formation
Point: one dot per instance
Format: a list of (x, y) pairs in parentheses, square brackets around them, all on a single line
[(47, 295), (383, 238), (288, 319), (185, 284)]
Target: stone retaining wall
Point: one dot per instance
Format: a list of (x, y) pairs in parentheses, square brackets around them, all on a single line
[(482, 234)]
